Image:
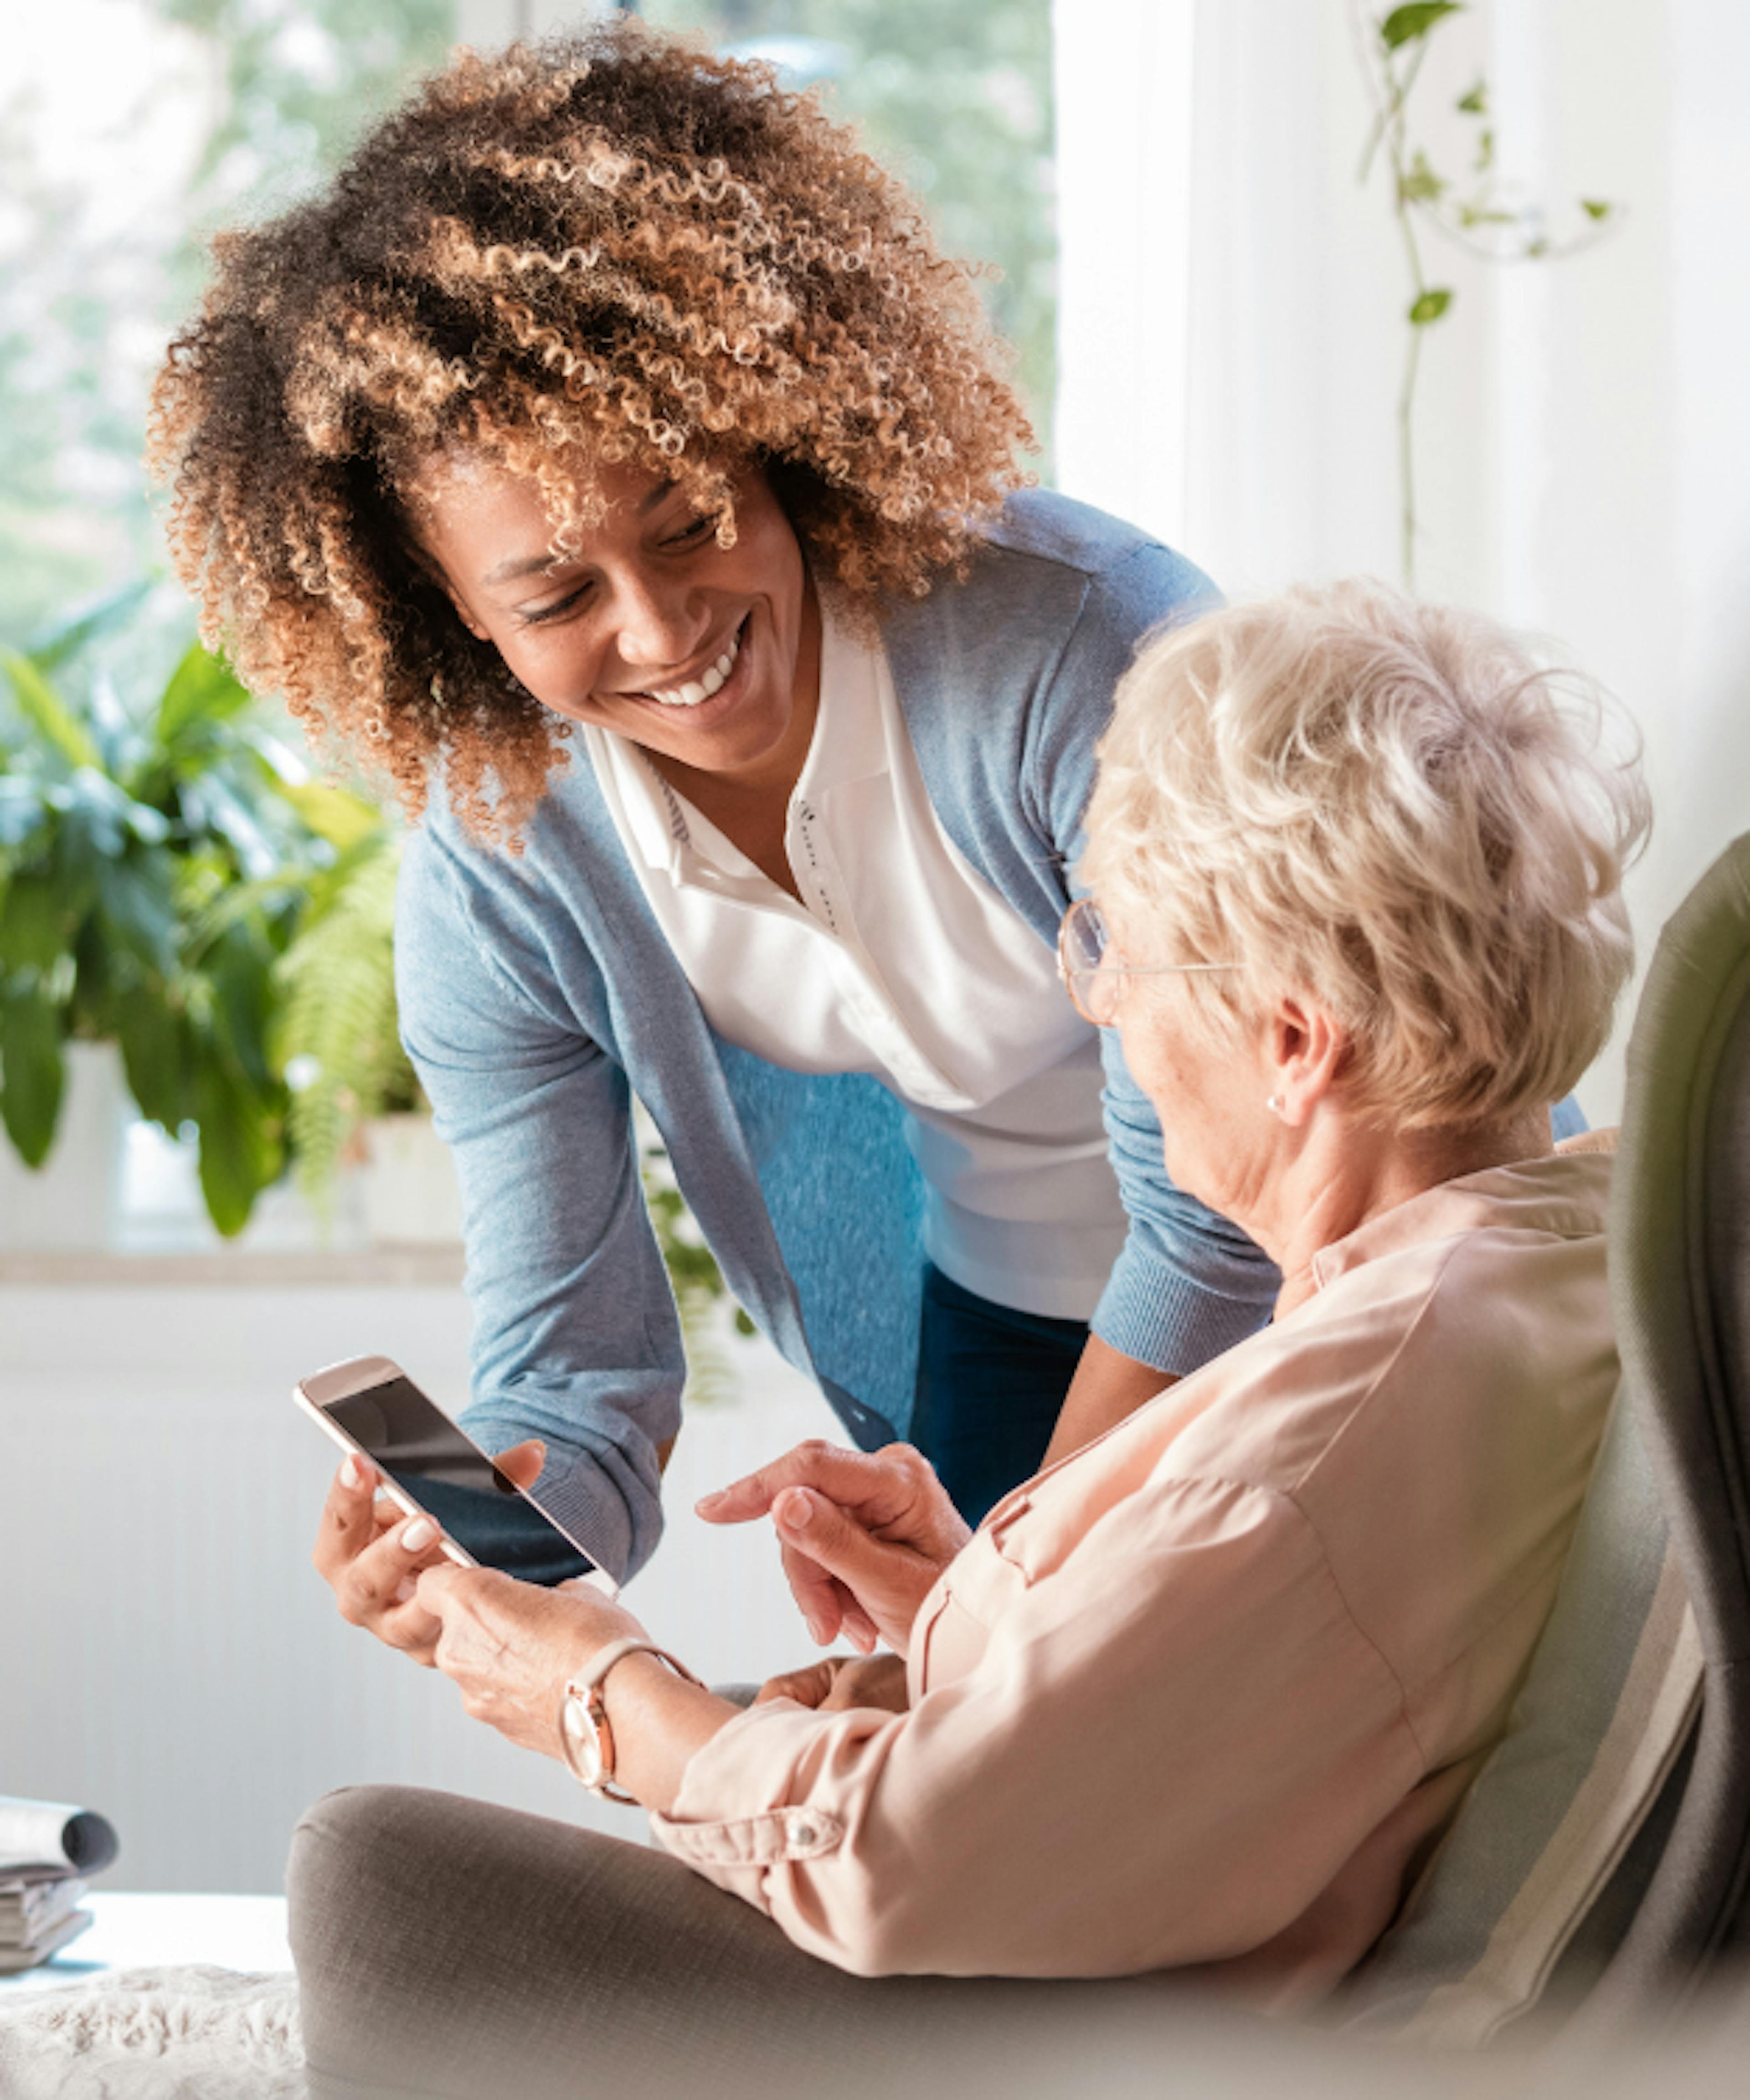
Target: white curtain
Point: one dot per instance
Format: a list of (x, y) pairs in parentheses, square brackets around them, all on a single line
[(1232, 325)]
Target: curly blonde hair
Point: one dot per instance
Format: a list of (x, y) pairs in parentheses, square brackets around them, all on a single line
[(1390, 808), (615, 243)]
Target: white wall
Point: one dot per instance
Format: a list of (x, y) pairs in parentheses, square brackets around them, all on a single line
[(1584, 429)]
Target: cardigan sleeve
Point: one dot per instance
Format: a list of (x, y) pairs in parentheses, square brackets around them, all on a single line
[(575, 1338), (1188, 1283)]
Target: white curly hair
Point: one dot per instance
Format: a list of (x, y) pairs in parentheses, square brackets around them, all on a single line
[(1389, 808)]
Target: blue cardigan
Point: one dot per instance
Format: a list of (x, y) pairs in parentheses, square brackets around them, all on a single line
[(537, 995)]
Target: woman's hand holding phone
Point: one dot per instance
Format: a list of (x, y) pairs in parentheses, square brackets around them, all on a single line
[(508, 1647), (370, 1553)]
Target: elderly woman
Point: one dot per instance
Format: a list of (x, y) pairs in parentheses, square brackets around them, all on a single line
[(1204, 1692), (609, 457)]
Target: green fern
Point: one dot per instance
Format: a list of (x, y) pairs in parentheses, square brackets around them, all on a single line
[(338, 1042)]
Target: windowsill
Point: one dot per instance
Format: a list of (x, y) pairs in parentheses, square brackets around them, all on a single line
[(435, 1266)]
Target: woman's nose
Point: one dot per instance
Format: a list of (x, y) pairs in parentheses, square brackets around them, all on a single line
[(661, 623)]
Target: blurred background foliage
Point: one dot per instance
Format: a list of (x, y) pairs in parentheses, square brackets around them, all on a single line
[(223, 110)]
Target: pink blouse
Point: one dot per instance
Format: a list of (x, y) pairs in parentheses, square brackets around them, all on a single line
[(1204, 1692)]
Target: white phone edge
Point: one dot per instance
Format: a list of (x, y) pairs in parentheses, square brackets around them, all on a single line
[(359, 1374), (330, 1427)]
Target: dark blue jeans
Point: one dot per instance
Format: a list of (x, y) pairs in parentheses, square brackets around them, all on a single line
[(990, 1384)]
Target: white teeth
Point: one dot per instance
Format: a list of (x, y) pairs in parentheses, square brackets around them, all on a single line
[(697, 690)]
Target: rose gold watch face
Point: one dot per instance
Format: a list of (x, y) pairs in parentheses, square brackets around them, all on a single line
[(585, 1740)]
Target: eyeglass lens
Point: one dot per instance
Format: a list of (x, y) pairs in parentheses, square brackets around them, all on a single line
[(1084, 945)]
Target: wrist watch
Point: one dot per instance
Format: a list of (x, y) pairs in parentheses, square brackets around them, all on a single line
[(584, 1733)]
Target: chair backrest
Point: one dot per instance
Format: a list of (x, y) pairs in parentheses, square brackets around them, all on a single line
[(1599, 1724), (1679, 1253), (1608, 1835)]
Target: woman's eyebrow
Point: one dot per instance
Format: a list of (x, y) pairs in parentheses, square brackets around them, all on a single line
[(521, 565), (529, 565)]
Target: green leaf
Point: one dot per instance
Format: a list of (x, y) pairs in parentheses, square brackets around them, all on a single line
[(48, 713), (137, 900), (343, 819), (32, 1029), (156, 1055), (35, 928), (241, 971), (1420, 184), (23, 812), (202, 690), (1475, 102), (240, 1151), (212, 804), (90, 802), (1403, 26), (1429, 307), (73, 635), (1596, 208), (75, 855)]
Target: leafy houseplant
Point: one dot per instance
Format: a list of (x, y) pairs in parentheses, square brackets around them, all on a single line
[(135, 843), (337, 1040)]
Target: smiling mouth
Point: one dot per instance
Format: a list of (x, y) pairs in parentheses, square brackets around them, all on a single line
[(698, 690)]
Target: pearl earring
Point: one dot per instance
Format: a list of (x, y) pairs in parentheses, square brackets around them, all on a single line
[(1274, 1104)]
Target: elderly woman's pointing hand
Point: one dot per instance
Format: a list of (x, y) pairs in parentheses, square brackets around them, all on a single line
[(864, 1535)]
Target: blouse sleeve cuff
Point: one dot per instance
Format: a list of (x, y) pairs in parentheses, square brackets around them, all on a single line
[(730, 1819)]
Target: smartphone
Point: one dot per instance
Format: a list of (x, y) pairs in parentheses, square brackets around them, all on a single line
[(429, 1466)]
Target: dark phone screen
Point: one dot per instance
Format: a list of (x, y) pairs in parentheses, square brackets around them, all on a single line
[(423, 1452)]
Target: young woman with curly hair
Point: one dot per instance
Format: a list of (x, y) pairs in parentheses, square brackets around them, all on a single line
[(609, 455)]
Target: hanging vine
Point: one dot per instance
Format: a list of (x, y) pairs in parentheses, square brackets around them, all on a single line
[(1473, 214)]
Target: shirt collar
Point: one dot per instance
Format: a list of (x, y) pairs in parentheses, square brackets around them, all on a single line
[(1562, 1194), (850, 740), (857, 704)]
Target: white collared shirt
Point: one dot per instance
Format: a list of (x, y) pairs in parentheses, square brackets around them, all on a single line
[(902, 961)]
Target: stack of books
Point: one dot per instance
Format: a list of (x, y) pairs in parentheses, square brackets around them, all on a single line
[(47, 1849), (39, 1914)]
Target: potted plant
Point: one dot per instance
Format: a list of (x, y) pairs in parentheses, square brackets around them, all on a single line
[(355, 1097), (153, 859)]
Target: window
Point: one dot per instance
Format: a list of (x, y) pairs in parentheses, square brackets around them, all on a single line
[(129, 129)]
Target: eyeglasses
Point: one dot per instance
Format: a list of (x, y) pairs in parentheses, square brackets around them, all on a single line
[(1090, 974)]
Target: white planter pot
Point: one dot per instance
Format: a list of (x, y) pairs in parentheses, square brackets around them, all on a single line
[(407, 1183), (73, 1200)]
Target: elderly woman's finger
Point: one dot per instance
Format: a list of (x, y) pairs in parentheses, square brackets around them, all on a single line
[(856, 1681), (810, 1686), (887, 1580), (381, 1576), (847, 1476), (819, 1598), (857, 1627), (349, 1521)]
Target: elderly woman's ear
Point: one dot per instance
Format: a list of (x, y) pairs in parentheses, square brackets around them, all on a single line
[(1306, 1052)]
